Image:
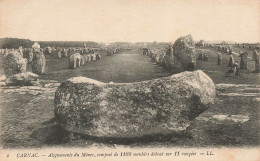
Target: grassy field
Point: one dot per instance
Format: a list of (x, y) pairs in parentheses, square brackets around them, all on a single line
[(217, 72), (27, 118)]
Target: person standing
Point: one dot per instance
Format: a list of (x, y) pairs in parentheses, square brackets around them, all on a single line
[(231, 61), (219, 58), (256, 59), (236, 69), (243, 61)]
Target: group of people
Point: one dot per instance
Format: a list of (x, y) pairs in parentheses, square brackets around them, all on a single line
[(234, 67)]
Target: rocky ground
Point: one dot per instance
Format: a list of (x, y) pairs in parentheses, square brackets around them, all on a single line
[(28, 121)]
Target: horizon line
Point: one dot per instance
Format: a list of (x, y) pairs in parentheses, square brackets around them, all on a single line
[(152, 41)]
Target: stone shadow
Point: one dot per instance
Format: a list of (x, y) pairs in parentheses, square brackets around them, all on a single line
[(53, 134)]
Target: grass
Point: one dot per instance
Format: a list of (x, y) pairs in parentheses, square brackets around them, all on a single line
[(27, 120)]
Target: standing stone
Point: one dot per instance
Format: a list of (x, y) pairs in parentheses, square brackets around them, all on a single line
[(152, 53), (219, 59), (21, 50), (65, 52), (225, 49), (14, 63), (243, 61), (205, 57), (48, 50), (109, 52), (30, 56), (160, 106), (256, 57), (85, 50), (93, 57), (168, 60), (145, 51), (87, 58), (200, 56), (183, 56), (75, 60), (59, 54), (230, 49), (201, 43), (82, 61), (36, 46), (219, 48), (184, 51), (231, 61), (38, 63), (161, 57), (54, 53), (98, 56), (155, 57)]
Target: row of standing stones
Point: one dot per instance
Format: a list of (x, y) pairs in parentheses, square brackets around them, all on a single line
[(160, 106), (15, 66), (90, 107)]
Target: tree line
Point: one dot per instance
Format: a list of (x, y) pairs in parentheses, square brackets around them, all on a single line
[(13, 43)]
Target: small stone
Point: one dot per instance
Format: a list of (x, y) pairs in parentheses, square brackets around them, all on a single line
[(23, 79)]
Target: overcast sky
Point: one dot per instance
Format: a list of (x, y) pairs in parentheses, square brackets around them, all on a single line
[(130, 20)]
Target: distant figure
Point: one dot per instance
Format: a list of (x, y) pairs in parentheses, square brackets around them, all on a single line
[(256, 58), (219, 48), (21, 50), (231, 61), (223, 49), (230, 49), (200, 56), (145, 51), (219, 58), (226, 49), (205, 57), (243, 61), (234, 69)]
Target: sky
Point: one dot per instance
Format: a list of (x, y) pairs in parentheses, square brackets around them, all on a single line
[(130, 20)]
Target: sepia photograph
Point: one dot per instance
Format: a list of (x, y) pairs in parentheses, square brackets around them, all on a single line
[(130, 80)]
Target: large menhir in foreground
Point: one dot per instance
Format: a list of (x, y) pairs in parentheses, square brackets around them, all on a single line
[(163, 105)]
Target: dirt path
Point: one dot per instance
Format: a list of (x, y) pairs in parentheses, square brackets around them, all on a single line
[(130, 66)]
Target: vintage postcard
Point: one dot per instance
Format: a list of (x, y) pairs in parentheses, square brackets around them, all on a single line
[(174, 80)]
